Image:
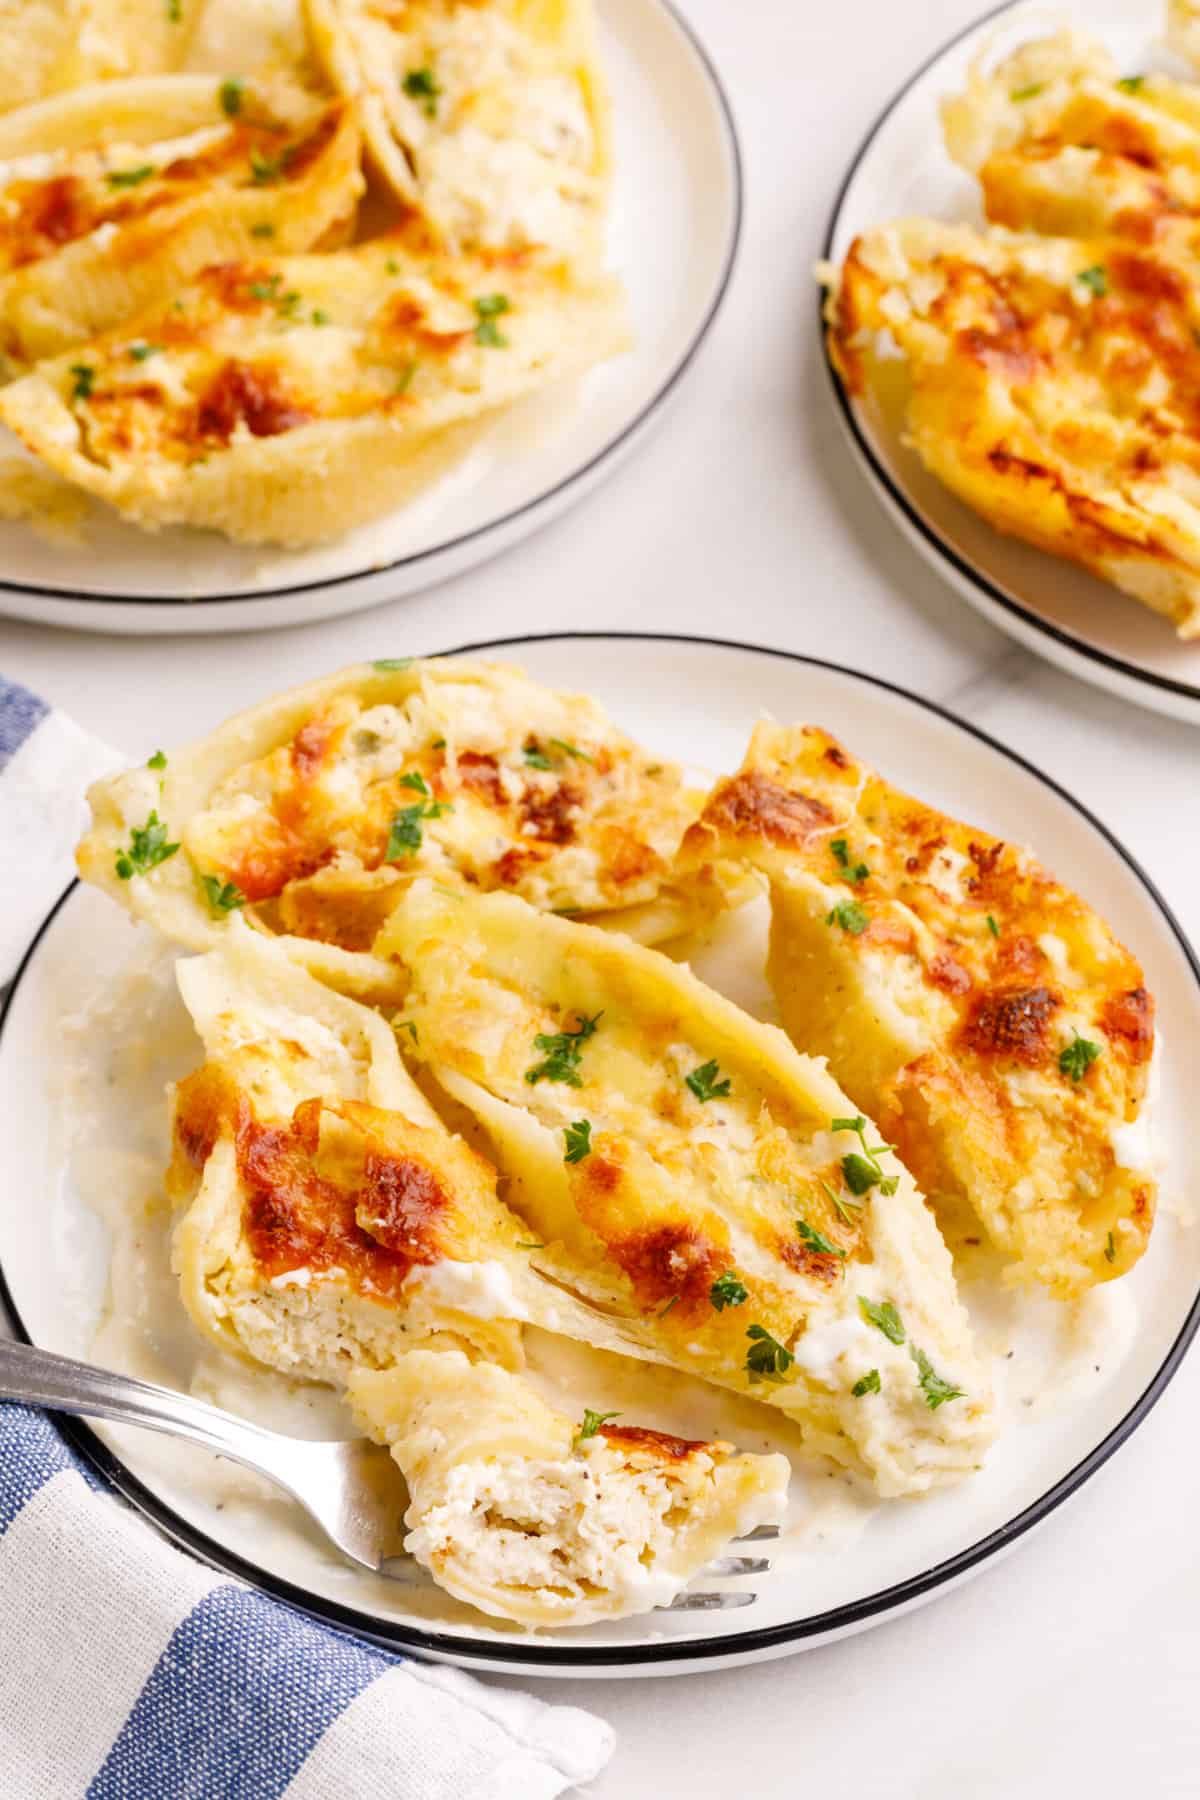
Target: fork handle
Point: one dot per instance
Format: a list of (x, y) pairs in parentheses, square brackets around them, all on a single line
[(40, 1378)]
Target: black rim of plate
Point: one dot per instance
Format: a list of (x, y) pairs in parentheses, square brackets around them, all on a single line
[(892, 490), (607, 454), (532, 1655)]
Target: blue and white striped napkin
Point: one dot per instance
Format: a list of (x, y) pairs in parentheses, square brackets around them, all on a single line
[(129, 1671)]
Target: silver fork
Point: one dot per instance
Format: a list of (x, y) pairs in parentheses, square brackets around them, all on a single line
[(351, 1488)]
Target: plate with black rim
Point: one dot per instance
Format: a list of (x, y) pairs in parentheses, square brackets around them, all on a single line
[(1050, 606), (92, 1030), (674, 227)]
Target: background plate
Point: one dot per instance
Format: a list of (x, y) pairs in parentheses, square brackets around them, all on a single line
[(676, 215), (1050, 606), (697, 701)]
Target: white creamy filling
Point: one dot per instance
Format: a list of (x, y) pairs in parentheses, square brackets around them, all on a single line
[(559, 1526), (482, 1289)]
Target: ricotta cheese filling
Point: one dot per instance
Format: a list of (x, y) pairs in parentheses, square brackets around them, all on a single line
[(568, 1527)]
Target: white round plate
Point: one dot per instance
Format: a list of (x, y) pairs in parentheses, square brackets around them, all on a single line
[(696, 701), (673, 235), (1053, 608)]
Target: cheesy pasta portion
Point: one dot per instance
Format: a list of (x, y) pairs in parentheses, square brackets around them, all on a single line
[(982, 1013)]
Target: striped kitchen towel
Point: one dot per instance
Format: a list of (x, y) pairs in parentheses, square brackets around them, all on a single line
[(130, 1671)]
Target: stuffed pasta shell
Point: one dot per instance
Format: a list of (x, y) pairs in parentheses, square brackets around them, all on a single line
[(549, 1520)]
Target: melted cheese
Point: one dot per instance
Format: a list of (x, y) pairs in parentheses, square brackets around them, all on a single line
[(947, 976)]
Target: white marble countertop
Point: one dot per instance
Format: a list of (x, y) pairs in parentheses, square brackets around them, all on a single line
[(1074, 1665)]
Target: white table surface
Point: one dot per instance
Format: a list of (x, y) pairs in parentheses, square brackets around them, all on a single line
[(1073, 1667)]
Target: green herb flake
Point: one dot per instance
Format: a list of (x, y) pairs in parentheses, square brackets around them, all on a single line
[(222, 896), (174, 11), (884, 1317), (766, 1359), (571, 750), (841, 1205), (935, 1389), (850, 916), (85, 381), (392, 665), (404, 378), (319, 316), (727, 1290), (417, 782), (592, 1421), (265, 169), (535, 757), (704, 1083), (142, 352), (1094, 279), (664, 1310), (530, 1244), (130, 178), (855, 872), (578, 1141), (863, 1170), (817, 1242), (264, 229), (1077, 1058), (157, 761), (230, 95), (992, 926), (408, 1025), (421, 85), (405, 833), (1132, 84), (561, 1052), (866, 1384), (1027, 93), (148, 847), (1110, 1249), (488, 308), (391, 266)]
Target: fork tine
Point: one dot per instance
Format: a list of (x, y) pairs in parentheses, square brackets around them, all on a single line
[(759, 1535), (710, 1602), (737, 1565)]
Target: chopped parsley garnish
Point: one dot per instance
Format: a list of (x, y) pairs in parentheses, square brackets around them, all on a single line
[(230, 95), (1027, 93), (571, 749), (884, 1317), (863, 1171), (392, 665), (1095, 279), (578, 1140), (222, 896), (1078, 1057), (391, 266), (421, 84), (404, 378), (866, 1384), (850, 916), (535, 758), (128, 178), (992, 926), (174, 9), (530, 1244), (704, 1084), (320, 316), (266, 169), (592, 1421), (841, 1205), (264, 229), (1110, 1249), (727, 1290), (1131, 84), (817, 1242), (157, 761), (85, 381), (561, 1053), (148, 847), (408, 1025), (416, 782), (935, 1389), (405, 831), (488, 308), (664, 1310), (855, 872), (766, 1359)]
